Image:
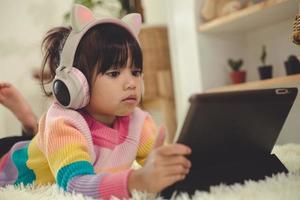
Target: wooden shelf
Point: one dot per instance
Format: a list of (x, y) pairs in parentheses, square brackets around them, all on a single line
[(258, 15), (285, 81)]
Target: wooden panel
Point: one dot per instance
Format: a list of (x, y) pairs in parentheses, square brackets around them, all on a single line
[(164, 83)]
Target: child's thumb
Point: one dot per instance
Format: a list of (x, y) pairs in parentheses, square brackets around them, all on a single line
[(160, 138)]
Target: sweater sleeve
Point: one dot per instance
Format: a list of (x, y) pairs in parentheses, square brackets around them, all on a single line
[(66, 150), (148, 135)]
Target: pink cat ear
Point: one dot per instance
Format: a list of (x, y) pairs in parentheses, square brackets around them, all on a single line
[(134, 21), (80, 17)]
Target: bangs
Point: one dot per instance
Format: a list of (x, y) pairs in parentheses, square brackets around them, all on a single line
[(116, 45)]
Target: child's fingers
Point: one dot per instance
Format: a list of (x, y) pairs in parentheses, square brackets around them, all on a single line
[(174, 149), (176, 160), (175, 170), (4, 85), (159, 141)]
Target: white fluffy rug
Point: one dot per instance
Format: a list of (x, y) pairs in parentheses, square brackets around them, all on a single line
[(280, 186)]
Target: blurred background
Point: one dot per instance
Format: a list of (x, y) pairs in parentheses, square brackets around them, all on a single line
[(187, 46)]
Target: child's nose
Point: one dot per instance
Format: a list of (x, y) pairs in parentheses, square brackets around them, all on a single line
[(130, 82)]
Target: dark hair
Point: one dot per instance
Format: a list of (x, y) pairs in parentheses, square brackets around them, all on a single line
[(102, 47)]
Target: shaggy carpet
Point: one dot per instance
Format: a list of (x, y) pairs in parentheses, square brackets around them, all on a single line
[(280, 186)]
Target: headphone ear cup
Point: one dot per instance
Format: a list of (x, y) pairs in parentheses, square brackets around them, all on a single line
[(61, 92), (70, 88)]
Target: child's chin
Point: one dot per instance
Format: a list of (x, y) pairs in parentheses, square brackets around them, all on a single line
[(125, 112)]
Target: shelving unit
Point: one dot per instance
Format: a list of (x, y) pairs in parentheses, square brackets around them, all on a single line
[(269, 83), (241, 35), (255, 16)]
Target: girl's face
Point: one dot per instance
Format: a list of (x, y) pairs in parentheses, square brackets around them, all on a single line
[(115, 93)]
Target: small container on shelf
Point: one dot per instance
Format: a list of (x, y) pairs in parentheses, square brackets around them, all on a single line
[(237, 75), (292, 65), (265, 71)]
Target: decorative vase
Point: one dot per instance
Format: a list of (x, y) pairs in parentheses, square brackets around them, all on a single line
[(208, 11), (238, 76), (265, 72), (291, 69), (292, 65)]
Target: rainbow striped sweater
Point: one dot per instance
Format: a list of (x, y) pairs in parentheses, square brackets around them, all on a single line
[(80, 154)]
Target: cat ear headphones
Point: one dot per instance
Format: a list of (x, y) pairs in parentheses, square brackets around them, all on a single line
[(70, 87)]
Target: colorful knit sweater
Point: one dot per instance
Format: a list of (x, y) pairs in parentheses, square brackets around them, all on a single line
[(80, 154)]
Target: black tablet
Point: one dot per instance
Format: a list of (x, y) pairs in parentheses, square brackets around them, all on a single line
[(226, 126)]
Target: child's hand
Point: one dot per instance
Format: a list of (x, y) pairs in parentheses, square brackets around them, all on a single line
[(164, 166)]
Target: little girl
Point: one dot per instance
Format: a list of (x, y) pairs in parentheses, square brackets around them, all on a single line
[(94, 131)]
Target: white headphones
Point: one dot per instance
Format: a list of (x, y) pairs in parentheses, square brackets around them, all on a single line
[(70, 87)]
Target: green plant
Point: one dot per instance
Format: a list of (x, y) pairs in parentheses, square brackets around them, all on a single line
[(88, 3), (235, 65), (263, 55), (293, 60)]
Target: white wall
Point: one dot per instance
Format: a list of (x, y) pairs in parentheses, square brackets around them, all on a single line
[(183, 36), (155, 12), (23, 25), (214, 51)]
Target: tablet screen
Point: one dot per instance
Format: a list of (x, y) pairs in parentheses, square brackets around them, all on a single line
[(221, 127)]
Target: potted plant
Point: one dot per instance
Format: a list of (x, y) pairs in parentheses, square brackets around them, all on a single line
[(265, 71), (237, 75), (292, 65)]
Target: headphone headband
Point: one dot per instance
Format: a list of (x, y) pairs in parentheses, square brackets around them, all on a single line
[(74, 38)]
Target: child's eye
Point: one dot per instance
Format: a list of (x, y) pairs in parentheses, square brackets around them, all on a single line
[(137, 73), (113, 74)]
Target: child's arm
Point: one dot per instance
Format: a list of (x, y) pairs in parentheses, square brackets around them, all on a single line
[(164, 166), (70, 163)]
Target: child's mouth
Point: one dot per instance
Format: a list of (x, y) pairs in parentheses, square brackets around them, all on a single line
[(130, 99)]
